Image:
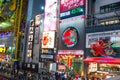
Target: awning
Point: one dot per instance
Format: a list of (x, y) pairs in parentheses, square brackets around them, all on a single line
[(106, 60)]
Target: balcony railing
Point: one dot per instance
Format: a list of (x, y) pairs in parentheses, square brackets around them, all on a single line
[(103, 18)]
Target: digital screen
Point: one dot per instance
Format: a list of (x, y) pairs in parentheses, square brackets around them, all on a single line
[(66, 5), (51, 13), (72, 13)]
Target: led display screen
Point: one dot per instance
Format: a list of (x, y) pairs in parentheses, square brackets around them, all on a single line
[(51, 13), (73, 12), (66, 5)]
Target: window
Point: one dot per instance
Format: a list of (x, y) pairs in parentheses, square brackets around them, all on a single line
[(110, 7), (109, 22)]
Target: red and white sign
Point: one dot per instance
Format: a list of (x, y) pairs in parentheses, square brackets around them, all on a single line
[(66, 5), (75, 52), (48, 39)]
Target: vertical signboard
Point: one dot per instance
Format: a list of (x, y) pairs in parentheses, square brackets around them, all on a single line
[(30, 39), (38, 19), (51, 15), (72, 15), (48, 39)]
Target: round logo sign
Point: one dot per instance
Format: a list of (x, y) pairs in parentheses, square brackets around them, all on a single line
[(70, 37)]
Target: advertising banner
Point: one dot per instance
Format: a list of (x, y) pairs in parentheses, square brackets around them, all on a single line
[(48, 39), (66, 5), (71, 8), (103, 43), (51, 15), (71, 32)]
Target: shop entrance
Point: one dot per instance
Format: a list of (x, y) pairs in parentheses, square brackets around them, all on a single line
[(72, 64)]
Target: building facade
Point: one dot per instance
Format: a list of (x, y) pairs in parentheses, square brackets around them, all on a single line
[(102, 30)]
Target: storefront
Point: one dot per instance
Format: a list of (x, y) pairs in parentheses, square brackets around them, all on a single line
[(103, 68), (70, 61), (5, 61), (103, 54)]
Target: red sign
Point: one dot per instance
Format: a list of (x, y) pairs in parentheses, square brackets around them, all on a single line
[(66, 5), (69, 62), (70, 37)]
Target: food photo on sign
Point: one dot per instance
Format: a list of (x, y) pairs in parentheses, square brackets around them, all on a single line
[(48, 39)]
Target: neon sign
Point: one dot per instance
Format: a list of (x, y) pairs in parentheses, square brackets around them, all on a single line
[(72, 12), (66, 5)]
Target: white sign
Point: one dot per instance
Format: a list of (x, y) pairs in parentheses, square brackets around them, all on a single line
[(47, 56), (75, 52), (113, 36), (48, 39), (51, 14)]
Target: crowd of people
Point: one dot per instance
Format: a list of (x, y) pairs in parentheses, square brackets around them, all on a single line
[(63, 76)]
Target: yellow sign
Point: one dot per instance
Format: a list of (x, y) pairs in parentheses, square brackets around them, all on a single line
[(2, 49)]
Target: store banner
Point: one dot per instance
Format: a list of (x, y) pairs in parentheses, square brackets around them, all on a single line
[(71, 52), (51, 15)]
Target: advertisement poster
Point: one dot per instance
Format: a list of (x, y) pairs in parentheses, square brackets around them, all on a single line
[(70, 37), (104, 44), (66, 5), (48, 39), (71, 32), (51, 15)]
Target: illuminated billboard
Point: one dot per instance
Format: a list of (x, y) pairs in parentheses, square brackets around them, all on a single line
[(70, 37), (71, 8), (51, 15), (3, 48), (66, 5), (101, 44), (48, 39), (71, 32)]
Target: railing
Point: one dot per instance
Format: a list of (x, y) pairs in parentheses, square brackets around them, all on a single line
[(103, 18)]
